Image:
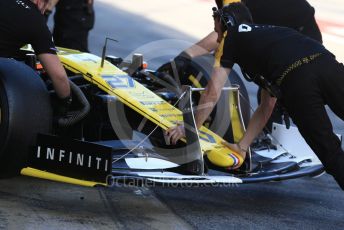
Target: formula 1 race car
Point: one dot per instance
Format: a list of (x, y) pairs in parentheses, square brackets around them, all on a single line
[(114, 132)]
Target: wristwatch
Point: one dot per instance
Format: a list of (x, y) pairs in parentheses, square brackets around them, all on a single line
[(67, 101)]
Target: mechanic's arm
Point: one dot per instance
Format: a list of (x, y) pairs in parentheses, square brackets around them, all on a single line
[(206, 104), (51, 4), (257, 122), (56, 72), (211, 95), (204, 46), (259, 119)]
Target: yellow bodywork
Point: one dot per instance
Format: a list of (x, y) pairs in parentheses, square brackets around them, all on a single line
[(143, 101)]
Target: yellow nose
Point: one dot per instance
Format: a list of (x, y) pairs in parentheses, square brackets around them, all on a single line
[(225, 158)]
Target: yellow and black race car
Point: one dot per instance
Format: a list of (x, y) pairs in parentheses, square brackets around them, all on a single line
[(115, 130)]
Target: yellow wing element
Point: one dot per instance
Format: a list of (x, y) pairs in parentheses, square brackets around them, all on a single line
[(55, 177), (238, 128), (131, 93)]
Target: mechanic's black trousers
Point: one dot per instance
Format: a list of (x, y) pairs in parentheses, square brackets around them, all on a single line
[(305, 92), (73, 20)]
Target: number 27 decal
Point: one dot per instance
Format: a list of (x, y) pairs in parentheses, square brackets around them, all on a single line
[(119, 81)]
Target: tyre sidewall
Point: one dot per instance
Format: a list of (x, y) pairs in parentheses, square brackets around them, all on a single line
[(26, 111)]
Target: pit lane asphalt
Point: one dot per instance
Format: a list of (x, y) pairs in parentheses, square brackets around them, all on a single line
[(28, 203)]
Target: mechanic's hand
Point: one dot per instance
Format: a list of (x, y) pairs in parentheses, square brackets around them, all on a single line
[(236, 148), (175, 133)]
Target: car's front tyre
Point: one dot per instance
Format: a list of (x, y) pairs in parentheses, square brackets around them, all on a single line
[(25, 110)]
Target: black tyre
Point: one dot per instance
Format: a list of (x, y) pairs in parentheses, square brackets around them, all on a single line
[(25, 111)]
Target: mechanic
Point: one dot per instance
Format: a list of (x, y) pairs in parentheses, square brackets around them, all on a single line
[(296, 14), (22, 22), (73, 19), (296, 69)]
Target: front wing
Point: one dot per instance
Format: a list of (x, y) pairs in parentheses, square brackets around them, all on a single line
[(144, 166)]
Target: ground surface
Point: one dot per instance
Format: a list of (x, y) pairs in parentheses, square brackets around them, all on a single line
[(27, 203)]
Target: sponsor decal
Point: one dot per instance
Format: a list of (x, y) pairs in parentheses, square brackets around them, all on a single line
[(119, 81), (206, 137), (244, 28), (147, 103), (72, 158), (84, 57)]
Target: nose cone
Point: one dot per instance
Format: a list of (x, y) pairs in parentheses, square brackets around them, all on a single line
[(225, 157)]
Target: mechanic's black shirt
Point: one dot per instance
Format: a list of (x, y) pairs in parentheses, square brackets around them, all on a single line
[(289, 13), (22, 23), (265, 50)]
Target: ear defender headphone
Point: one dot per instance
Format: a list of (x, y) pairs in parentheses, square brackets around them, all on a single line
[(227, 19)]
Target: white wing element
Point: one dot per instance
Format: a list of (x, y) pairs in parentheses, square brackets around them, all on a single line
[(175, 178), (149, 163), (291, 146)]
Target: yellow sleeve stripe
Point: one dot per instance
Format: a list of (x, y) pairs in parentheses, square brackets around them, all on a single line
[(219, 51), (226, 2)]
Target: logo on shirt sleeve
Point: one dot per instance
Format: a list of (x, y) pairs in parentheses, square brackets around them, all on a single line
[(244, 28), (23, 4)]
